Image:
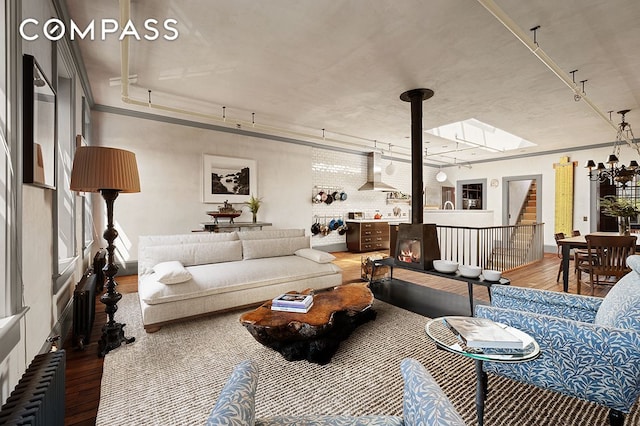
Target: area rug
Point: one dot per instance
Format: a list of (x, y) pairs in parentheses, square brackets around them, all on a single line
[(174, 376)]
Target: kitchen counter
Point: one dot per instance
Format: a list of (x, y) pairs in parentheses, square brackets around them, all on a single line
[(389, 219), (473, 218)]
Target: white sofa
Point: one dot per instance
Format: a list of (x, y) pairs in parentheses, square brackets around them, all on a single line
[(183, 276)]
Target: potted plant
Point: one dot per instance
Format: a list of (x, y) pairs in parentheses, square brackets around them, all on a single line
[(622, 208), (254, 204)]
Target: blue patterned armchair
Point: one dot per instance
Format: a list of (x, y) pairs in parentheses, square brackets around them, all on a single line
[(590, 347), (424, 403)]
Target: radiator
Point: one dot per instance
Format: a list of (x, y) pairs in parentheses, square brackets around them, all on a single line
[(84, 300), (84, 309), (39, 396)]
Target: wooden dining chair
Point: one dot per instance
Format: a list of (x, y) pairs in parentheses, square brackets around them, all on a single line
[(606, 263), (559, 236), (580, 256)]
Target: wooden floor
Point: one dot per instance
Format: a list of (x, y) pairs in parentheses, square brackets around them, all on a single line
[(84, 368)]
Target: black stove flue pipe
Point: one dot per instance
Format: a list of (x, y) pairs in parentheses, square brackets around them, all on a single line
[(416, 97)]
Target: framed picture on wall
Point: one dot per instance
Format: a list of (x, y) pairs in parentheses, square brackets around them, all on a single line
[(228, 179), (39, 126)]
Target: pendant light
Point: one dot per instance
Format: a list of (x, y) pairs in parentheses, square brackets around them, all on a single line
[(391, 168)]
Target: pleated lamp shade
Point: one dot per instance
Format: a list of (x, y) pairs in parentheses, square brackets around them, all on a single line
[(98, 167)]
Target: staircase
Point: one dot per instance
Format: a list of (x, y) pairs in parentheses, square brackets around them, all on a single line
[(528, 213), (514, 249)]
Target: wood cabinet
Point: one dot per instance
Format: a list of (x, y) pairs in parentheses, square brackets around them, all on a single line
[(367, 236)]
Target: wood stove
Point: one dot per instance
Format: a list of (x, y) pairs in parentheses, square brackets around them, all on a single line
[(417, 245)]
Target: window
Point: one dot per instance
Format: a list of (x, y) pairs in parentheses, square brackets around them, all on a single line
[(65, 198), (5, 176), (10, 225), (87, 214)]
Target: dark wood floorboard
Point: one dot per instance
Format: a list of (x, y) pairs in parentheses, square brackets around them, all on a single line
[(84, 368)]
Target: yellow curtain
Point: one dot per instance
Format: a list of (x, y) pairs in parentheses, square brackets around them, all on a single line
[(564, 195)]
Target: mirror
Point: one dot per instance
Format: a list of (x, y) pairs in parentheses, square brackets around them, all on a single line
[(39, 126)]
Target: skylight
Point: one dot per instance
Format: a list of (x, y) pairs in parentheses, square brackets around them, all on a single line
[(481, 135)]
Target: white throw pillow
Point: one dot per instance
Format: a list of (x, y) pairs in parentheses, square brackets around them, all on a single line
[(171, 272), (317, 256)]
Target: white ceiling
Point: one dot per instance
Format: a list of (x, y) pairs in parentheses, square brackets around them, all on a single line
[(341, 65)]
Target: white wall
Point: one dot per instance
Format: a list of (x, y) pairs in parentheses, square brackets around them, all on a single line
[(170, 165)]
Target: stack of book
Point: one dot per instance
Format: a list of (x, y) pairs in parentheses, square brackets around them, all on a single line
[(482, 333), (292, 302)]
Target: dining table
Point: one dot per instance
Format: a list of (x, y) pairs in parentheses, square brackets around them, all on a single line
[(579, 242)]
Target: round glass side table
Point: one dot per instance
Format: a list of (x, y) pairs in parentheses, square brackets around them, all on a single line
[(446, 339)]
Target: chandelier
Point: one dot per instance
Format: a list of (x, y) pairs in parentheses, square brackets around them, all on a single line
[(616, 175)]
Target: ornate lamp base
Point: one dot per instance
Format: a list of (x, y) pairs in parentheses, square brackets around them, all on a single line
[(112, 337), (112, 332)]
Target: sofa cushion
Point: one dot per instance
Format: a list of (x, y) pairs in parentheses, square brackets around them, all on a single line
[(315, 255), (227, 277), (621, 306), (193, 253), (145, 263), (273, 247), (224, 251), (171, 272), (236, 403), (270, 233), (195, 237)]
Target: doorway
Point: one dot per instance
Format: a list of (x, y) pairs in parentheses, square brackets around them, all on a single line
[(515, 192)]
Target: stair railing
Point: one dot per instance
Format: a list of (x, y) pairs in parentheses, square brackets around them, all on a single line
[(496, 247)]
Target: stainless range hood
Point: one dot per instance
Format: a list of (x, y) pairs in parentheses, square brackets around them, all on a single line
[(374, 175)]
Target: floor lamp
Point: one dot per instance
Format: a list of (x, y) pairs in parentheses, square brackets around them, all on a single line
[(108, 171)]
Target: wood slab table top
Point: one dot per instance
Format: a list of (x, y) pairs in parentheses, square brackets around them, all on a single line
[(354, 297), (315, 335)]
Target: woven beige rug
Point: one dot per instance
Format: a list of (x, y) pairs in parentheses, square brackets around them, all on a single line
[(173, 377)]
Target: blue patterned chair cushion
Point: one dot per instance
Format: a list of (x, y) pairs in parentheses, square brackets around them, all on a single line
[(546, 302), (424, 403), (236, 403), (621, 306)]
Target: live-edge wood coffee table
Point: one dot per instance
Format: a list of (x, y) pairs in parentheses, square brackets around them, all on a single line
[(315, 335)]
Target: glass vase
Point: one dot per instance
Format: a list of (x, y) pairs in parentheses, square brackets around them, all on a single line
[(255, 216), (624, 225)]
